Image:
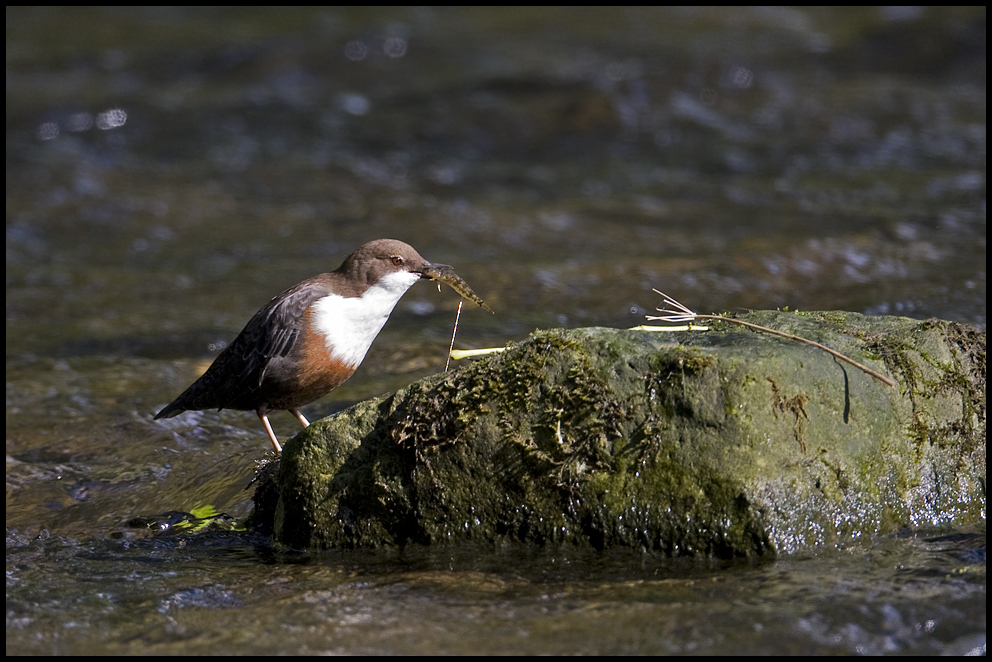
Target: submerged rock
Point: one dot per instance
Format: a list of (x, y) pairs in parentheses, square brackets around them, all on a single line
[(726, 442)]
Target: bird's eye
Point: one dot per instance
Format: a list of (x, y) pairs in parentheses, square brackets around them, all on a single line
[(397, 260)]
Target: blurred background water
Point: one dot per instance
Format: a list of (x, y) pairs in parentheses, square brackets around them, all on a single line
[(169, 170)]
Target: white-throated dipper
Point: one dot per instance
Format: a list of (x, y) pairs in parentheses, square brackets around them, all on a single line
[(308, 340)]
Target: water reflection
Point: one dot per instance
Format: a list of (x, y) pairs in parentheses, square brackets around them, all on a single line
[(895, 595)]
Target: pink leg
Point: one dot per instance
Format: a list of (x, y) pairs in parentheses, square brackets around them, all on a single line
[(268, 428), (301, 417)]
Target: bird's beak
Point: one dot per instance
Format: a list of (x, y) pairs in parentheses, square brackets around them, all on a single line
[(433, 271)]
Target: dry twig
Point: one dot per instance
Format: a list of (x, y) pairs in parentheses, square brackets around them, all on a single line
[(454, 329), (680, 313)]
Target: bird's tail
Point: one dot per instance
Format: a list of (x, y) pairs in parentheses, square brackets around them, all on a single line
[(170, 410)]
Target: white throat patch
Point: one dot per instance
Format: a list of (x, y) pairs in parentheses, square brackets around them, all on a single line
[(350, 324)]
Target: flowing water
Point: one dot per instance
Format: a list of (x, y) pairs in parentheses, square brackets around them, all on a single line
[(169, 170)]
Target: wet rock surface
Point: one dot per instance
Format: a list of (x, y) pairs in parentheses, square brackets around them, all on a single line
[(726, 443)]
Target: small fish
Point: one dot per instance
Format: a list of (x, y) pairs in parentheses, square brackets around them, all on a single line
[(445, 274)]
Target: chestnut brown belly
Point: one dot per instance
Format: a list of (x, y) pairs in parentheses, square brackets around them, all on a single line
[(302, 377)]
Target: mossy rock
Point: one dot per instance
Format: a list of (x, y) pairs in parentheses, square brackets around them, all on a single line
[(726, 442)]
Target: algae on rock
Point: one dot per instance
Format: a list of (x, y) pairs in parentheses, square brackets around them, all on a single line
[(726, 443)]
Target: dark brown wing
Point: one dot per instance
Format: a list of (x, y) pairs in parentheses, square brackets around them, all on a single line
[(234, 379)]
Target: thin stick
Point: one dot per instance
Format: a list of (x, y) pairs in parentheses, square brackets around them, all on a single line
[(459, 354), (670, 329), (682, 314), (453, 330)]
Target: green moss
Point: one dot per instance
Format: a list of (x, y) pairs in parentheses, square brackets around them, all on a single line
[(727, 443)]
